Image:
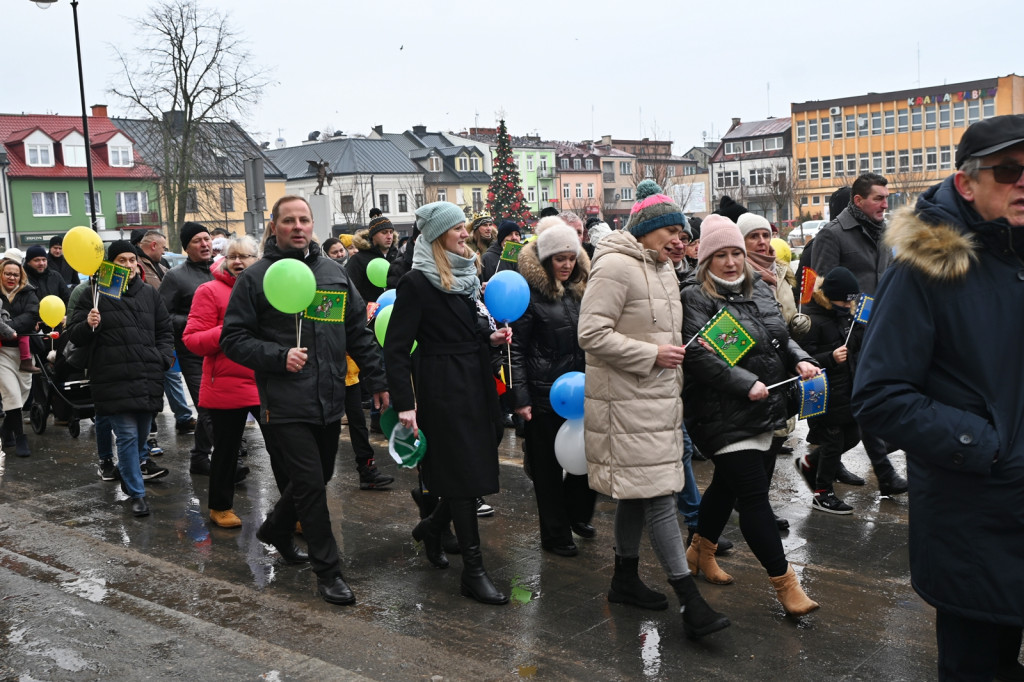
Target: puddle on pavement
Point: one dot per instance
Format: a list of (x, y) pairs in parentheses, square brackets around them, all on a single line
[(88, 586), (527, 671), (521, 592), (650, 649), (192, 530)]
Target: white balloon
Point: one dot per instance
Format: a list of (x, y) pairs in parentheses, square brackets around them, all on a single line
[(569, 448)]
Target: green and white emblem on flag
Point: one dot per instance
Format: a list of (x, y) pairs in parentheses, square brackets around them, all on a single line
[(728, 337)]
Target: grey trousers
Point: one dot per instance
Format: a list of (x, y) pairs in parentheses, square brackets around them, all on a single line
[(659, 515)]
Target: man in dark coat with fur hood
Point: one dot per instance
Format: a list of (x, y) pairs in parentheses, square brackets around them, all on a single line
[(940, 376)]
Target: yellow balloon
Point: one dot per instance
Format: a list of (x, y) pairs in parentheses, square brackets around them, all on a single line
[(83, 250), (51, 310)]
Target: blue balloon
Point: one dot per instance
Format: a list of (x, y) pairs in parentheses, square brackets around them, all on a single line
[(384, 300), (567, 395), (507, 296)]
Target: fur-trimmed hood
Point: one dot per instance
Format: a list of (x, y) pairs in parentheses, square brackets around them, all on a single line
[(537, 277), (361, 240)]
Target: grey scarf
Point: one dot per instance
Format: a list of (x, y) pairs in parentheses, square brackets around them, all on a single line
[(465, 280)]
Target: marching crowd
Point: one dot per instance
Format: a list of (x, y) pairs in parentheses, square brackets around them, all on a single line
[(935, 373)]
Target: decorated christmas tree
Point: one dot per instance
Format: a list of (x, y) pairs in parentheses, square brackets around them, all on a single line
[(505, 194)]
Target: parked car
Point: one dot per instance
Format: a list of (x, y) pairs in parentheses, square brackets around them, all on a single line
[(804, 232)]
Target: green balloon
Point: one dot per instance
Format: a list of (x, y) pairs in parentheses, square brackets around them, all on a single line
[(380, 327), (377, 272), (290, 285)]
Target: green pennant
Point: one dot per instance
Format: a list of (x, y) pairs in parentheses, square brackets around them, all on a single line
[(728, 337), (112, 280)]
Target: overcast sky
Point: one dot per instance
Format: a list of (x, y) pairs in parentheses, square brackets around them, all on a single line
[(565, 69)]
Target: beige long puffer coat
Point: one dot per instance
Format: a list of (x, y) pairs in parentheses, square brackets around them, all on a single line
[(633, 416)]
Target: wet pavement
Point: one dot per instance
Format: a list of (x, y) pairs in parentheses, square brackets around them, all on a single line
[(89, 592)]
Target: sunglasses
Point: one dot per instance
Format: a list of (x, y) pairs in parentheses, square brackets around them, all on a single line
[(1005, 173)]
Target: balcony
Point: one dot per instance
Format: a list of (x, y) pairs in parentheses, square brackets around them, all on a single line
[(130, 219), (545, 173)]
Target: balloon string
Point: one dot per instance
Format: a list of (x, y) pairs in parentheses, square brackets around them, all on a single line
[(298, 330), (508, 346)]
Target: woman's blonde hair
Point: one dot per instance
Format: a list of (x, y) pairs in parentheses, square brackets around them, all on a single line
[(22, 281), (444, 266), (709, 287), (243, 243)]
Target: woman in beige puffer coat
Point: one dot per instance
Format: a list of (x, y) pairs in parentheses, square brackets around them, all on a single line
[(630, 326)]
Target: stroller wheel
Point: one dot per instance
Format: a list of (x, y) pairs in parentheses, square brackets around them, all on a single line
[(37, 417), (74, 428)]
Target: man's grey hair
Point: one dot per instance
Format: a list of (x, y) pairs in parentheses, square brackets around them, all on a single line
[(971, 166), (571, 219)]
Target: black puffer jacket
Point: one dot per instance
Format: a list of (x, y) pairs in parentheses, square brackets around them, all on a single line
[(177, 289), (129, 351), (49, 283), (258, 336), (716, 407), (24, 311), (544, 340), (491, 260), (829, 327), (356, 267), (64, 269)]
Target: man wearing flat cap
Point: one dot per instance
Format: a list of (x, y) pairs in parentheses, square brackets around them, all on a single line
[(940, 376)]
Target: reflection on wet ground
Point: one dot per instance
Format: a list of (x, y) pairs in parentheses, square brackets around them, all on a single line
[(67, 538)]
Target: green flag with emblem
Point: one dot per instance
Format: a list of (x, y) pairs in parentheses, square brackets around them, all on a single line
[(727, 337)]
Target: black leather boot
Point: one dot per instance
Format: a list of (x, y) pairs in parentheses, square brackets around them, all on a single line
[(427, 502), (699, 619), (627, 588), (475, 582), (429, 532)]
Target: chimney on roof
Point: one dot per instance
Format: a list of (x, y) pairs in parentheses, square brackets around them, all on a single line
[(735, 123), (379, 129), (99, 110), (419, 130), (607, 140)]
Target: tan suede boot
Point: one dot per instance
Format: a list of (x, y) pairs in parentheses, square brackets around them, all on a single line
[(701, 557), (791, 595), (225, 519)]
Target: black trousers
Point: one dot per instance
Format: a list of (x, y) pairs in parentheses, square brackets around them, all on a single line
[(192, 370), (740, 480), (878, 453), (228, 427), (833, 440), (972, 650), (560, 501), (357, 431), (306, 453)]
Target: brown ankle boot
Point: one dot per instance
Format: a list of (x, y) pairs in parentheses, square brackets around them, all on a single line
[(29, 367), (701, 557), (791, 595)]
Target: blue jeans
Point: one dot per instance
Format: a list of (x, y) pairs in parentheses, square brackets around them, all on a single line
[(104, 438), (688, 499), (131, 430), (176, 396)]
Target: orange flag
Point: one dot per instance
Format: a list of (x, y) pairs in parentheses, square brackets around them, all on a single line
[(807, 285)]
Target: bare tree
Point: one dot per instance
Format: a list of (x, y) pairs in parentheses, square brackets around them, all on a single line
[(906, 184), (780, 189), (191, 68), (683, 190), (351, 198)]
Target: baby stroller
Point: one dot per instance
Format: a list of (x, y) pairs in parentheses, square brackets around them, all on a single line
[(63, 390)]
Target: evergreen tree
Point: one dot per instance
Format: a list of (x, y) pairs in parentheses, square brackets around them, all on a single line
[(505, 194)]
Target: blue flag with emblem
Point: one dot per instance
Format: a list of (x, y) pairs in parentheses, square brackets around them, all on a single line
[(813, 396), (862, 313)]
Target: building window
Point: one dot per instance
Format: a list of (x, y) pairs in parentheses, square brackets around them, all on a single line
[(39, 154), (851, 125), (543, 163), (973, 111), (931, 159), (474, 164), (435, 164), (918, 163), (733, 147), (191, 202), (837, 128), (729, 179), (403, 201), (227, 199), (120, 156), (442, 194), (565, 190), (529, 162), (826, 167), (544, 193), (670, 171), (812, 130), (816, 199), (944, 115), (801, 169), (945, 158), (989, 108), (773, 143), (348, 203), (760, 176), (959, 114), (902, 117), (931, 116), (588, 164), (625, 168), (419, 200), (876, 162), (915, 118), (50, 203), (627, 194), (590, 190), (463, 164), (577, 164), (384, 203), (579, 190), (814, 168), (826, 129), (890, 162), (753, 146), (689, 170), (904, 161), (876, 123), (74, 155), (88, 206), (890, 122), (839, 167), (803, 201), (801, 131), (564, 163), (531, 194), (865, 163), (138, 202)]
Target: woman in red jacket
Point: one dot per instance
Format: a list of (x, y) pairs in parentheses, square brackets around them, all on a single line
[(228, 390)]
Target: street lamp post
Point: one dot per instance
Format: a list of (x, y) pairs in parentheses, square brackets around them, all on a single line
[(45, 4)]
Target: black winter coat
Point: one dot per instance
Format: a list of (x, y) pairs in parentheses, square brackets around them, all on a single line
[(829, 327), (456, 399), (49, 283), (177, 289), (129, 351), (545, 344), (258, 336), (716, 407), (24, 311), (356, 267), (64, 269), (844, 242), (940, 376), (492, 262)]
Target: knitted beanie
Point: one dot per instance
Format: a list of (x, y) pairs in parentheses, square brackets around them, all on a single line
[(598, 231), (748, 222), (716, 233), (695, 227), (189, 231), (652, 210), (730, 209), (480, 221), (546, 222), (557, 239), (346, 240), (118, 247), (57, 240), (380, 223), (437, 218), (840, 285), (34, 251), (506, 228)]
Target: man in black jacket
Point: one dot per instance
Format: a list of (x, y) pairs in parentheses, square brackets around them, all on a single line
[(302, 388), (46, 280), (57, 263), (376, 242), (177, 289), (939, 376)]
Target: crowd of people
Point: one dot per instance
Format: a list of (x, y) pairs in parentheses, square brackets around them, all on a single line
[(630, 308)]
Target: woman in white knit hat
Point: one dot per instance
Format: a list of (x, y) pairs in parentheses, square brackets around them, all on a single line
[(545, 347)]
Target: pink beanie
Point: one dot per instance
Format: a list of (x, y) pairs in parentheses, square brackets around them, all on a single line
[(716, 233)]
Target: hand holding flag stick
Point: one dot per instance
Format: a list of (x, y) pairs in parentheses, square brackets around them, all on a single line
[(724, 335)]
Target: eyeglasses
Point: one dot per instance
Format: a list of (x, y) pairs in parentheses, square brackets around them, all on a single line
[(240, 256), (1005, 173)]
